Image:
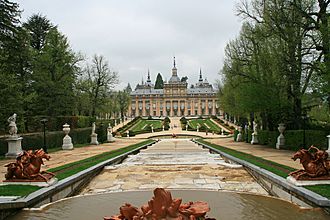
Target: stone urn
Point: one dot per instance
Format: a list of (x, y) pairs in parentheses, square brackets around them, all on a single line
[(186, 127), (239, 137), (163, 128), (197, 128), (67, 141), (127, 134), (280, 139)]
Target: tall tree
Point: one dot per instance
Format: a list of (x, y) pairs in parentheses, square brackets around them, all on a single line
[(55, 70), (10, 86), (97, 81), (38, 27), (123, 100), (285, 29), (159, 84)]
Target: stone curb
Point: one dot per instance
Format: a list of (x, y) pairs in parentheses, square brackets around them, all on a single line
[(44, 193), (301, 191)]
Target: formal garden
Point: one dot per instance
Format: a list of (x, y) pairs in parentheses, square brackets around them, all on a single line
[(60, 105)]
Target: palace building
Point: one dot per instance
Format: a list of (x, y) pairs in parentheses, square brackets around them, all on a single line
[(175, 99)]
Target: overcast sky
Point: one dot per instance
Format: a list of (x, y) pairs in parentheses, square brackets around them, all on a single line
[(137, 35)]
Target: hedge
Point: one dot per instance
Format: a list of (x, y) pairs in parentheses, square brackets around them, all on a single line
[(53, 139), (33, 124), (294, 139)]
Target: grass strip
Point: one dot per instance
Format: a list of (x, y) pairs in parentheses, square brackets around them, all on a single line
[(278, 169), (68, 170), (323, 190), (17, 190)]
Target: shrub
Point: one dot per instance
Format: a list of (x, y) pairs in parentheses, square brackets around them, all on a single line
[(235, 135), (167, 120), (101, 131), (183, 120)]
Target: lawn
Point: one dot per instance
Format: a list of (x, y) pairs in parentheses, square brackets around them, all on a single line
[(278, 169), (208, 123), (69, 169), (145, 124)]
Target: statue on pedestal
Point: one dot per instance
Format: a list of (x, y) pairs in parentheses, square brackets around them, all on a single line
[(12, 125), (14, 141), (94, 135), (255, 133)]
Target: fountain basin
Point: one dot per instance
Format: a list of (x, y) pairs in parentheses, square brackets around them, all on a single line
[(224, 205)]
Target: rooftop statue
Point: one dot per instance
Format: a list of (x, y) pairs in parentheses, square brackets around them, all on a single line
[(27, 167), (315, 163), (162, 206)]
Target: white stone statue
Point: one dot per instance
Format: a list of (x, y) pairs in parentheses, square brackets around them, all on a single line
[(93, 128), (12, 125), (255, 127), (255, 133), (94, 135)]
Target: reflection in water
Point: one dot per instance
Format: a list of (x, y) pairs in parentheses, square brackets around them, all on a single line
[(224, 205)]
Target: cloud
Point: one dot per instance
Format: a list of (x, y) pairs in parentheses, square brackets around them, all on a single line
[(141, 34)]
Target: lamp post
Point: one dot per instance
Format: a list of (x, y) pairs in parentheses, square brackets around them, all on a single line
[(304, 117), (44, 121)]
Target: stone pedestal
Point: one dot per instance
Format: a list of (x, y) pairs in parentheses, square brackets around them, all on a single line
[(254, 139), (67, 142), (94, 139), (110, 138), (280, 142), (14, 146), (280, 139), (328, 151)]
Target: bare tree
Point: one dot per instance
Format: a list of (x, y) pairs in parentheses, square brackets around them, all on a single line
[(97, 81)]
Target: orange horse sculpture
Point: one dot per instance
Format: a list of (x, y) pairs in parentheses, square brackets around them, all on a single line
[(162, 206), (27, 167), (316, 165)]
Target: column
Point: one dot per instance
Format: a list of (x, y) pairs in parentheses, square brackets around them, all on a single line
[(171, 108), (143, 107), (186, 107), (206, 107)]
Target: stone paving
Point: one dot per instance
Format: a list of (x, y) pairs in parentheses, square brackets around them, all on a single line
[(174, 164)]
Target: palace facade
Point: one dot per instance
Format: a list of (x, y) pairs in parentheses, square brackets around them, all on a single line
[(175, 99)]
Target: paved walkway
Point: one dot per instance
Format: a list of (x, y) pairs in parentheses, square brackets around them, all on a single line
[(174, 164), (62, 157), (268, 153)]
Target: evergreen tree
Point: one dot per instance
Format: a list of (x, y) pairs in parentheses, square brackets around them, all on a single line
[(55, 70), (10, 86), (38, 27), (159, 84)]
